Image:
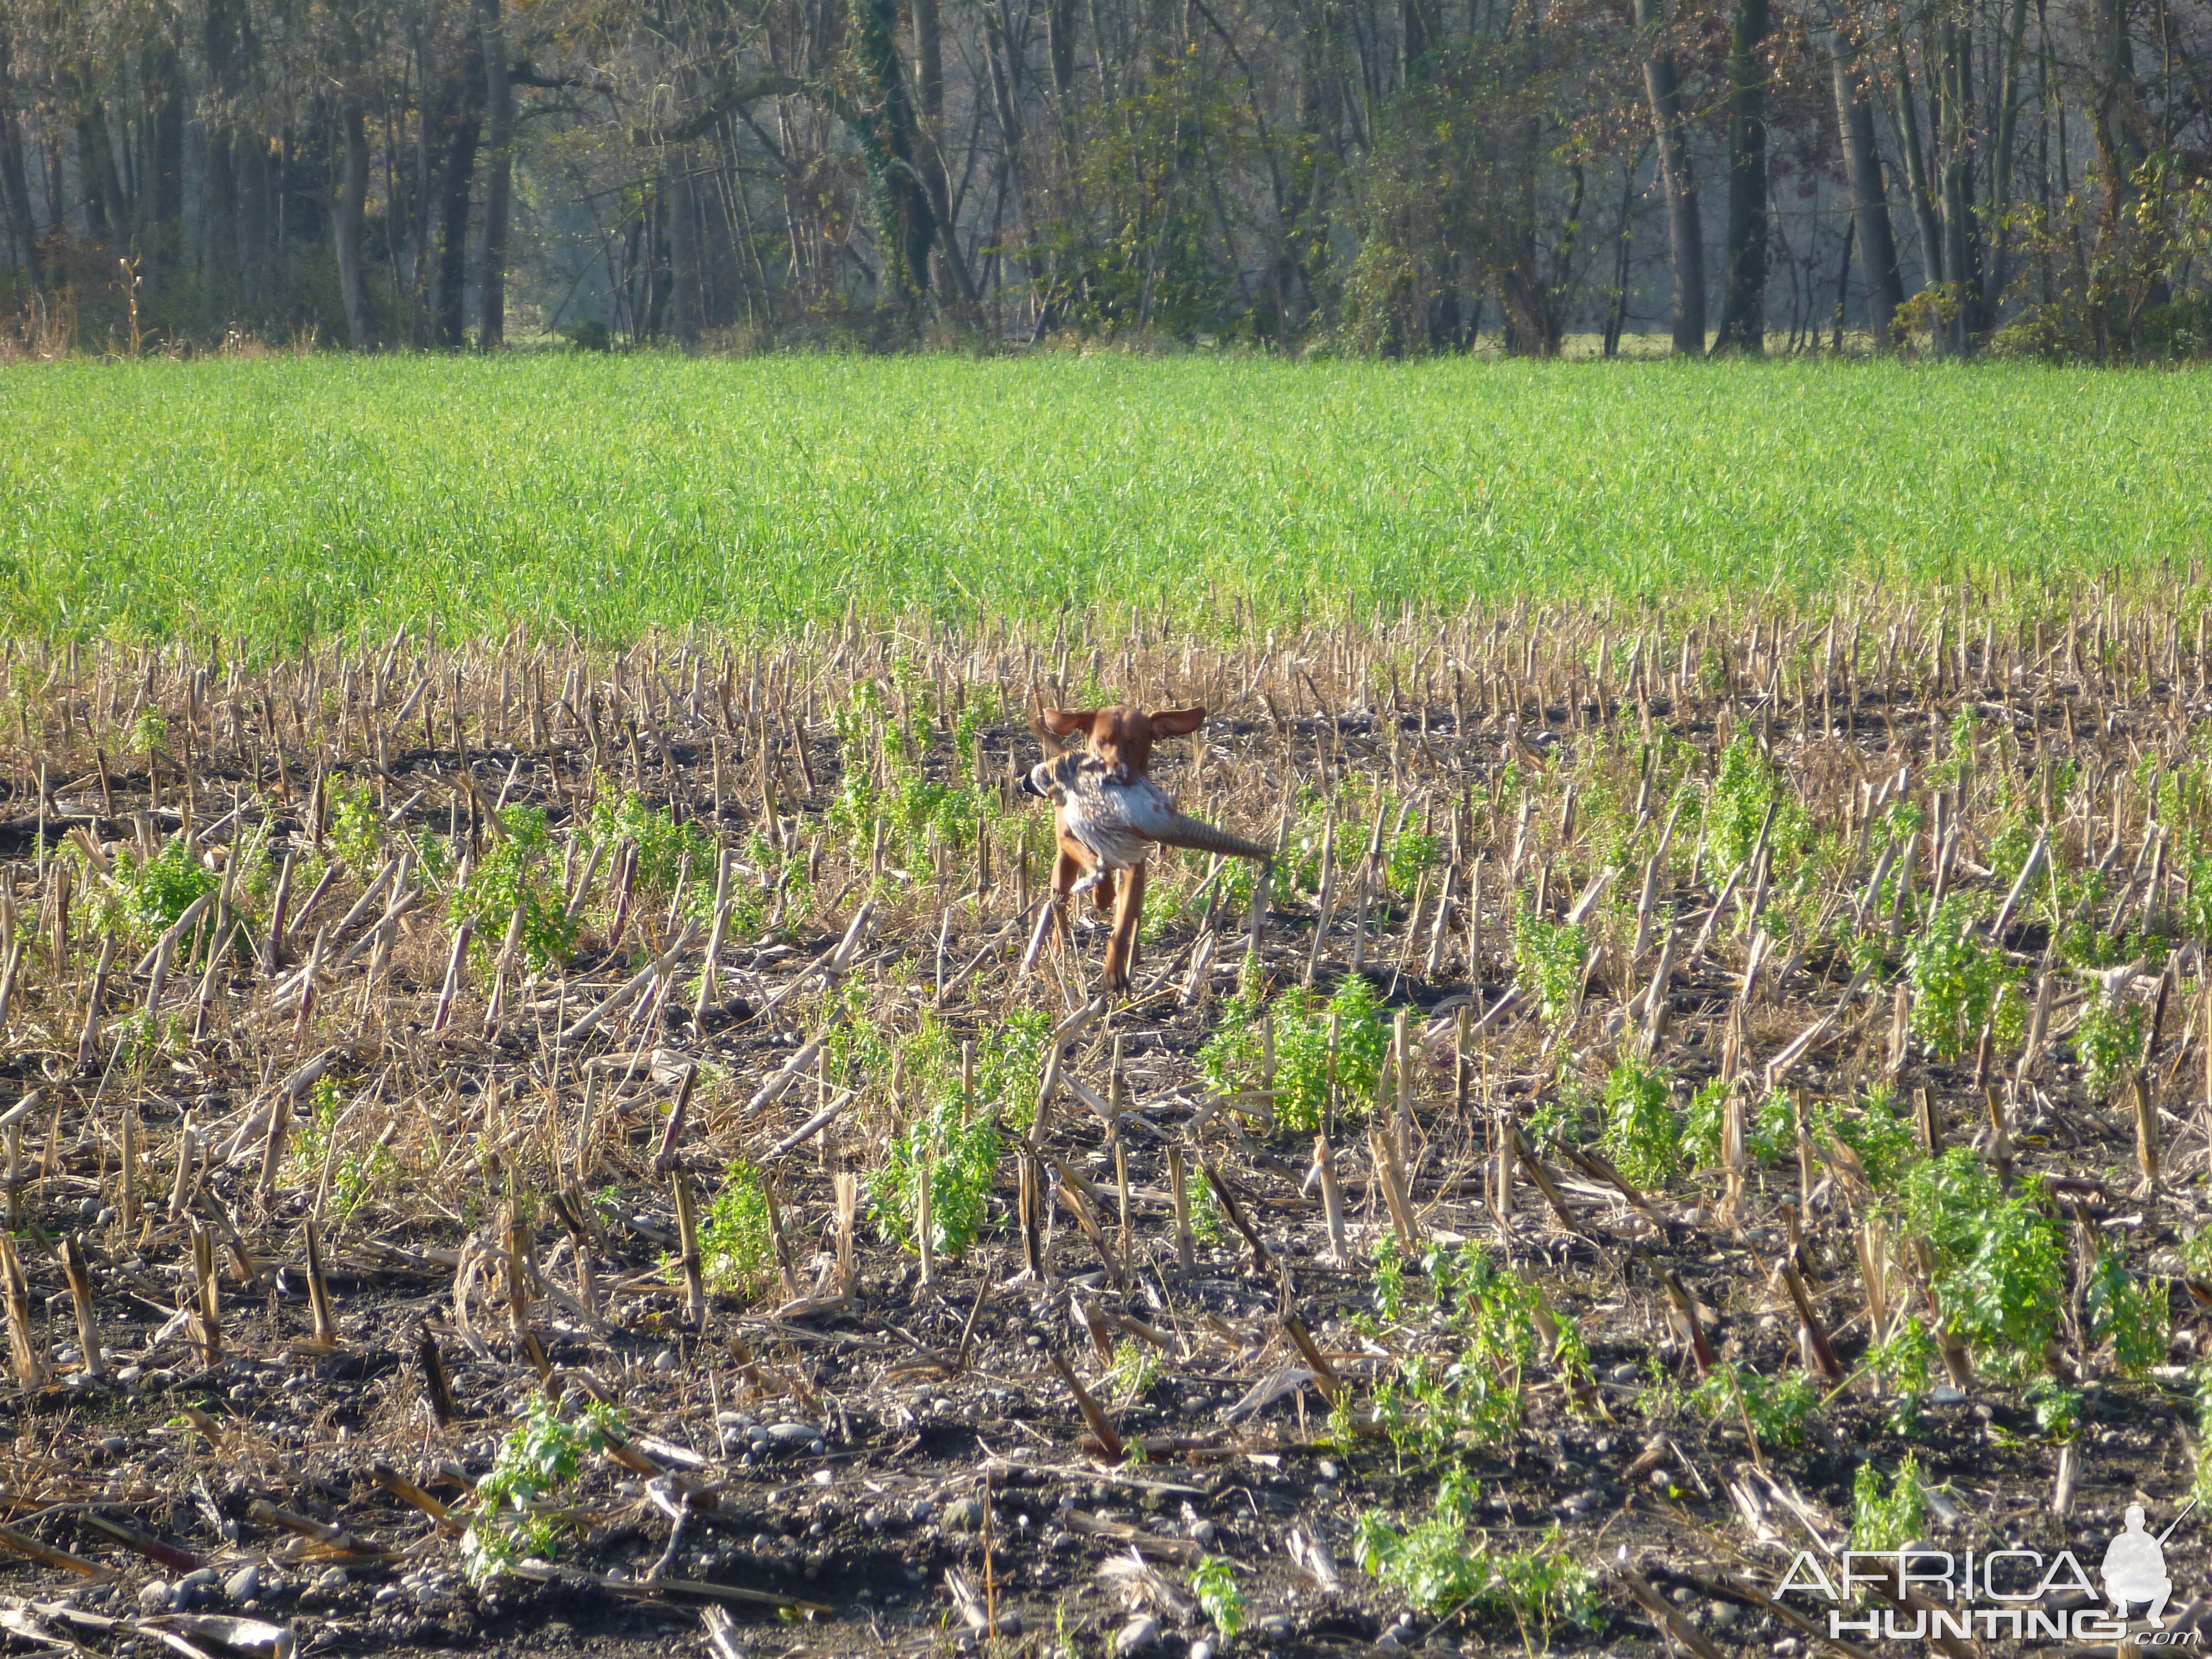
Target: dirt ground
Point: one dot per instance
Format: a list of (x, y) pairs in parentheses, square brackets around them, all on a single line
[(902, 1468)]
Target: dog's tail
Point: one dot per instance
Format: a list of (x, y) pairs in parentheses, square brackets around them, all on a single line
[(1183, 830)]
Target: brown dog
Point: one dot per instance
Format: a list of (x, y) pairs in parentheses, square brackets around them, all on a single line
[(1108, 813)]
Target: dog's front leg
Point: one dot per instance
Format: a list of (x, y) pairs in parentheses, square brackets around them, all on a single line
[(1129, 916)]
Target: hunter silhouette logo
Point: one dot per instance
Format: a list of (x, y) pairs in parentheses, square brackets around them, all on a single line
[(1920, 1593), (2134, 1567)]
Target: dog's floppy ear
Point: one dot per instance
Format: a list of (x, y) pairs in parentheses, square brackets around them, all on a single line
[(1176, 722), (1069, 722)]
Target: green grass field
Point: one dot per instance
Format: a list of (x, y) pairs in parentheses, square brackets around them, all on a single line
[(286, 500)]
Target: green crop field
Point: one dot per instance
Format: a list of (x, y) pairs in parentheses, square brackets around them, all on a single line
[(288, 500)]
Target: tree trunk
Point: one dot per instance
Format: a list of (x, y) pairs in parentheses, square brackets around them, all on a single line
[(684, 249), (498, 178), (1870, 201), (91, 186), (1685, 235), (1917, 180), (112, 195), (163, 73), (1842, 290), (450, 312), (1961, 244), (2001, 167), (257, 249), (929, 92), (353, 196), (2114, 116), (1418, 37), (14, 185), (219, 181), (889, 143), (1743, 306)]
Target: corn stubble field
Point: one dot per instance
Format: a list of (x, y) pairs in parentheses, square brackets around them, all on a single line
[(549, 1149)]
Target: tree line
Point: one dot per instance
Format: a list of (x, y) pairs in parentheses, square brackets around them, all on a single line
[(1397, 177)]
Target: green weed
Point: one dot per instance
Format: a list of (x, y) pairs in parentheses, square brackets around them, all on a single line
[(1956, 980), (1903, 1361), (737, 1247), (1879, 1132), (356, 1177), (1232, 1060), (1429, 1406), (1213, 1582), (1550, 956), (1776, 1408), (517, 873), (1770, 1129), (2058, 1408), (1643, 1138), (667, 852), (2108, 1042), (356, 827), (1746, 785), (1889, 1520), (1998, 1260), (2133, 1315), (1441, 1567), (142, 898), (959, 1156), (539, 1456)]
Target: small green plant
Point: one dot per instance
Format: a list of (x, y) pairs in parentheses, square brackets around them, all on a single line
[(1406, 855), (141, 899), (1957, 981), (516, 873), (667, 852), (2196, 1256), (1233, 1060), (539, 1457), (1776, 1409), (1008, 1060), (1661, 1397), (1213, 1582), (1428, 1407), (2108, 1043), (355, 1178), (1440, 1568), (1206, 1226), (1745, 787), (737, 1249), (149, 732), (1770, 1130), (356, 829), (1134, 1371), (1550, 956), (1389, 1279), (959, 1155), (1903, 1361), (1998, 1260), (1641, 1136), (2133, 1316), (2200, 1488), (1889, 1520), (2058, 1408), (1879, 1133)]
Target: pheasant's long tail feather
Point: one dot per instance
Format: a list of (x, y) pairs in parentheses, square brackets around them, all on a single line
[(1183, 830)]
